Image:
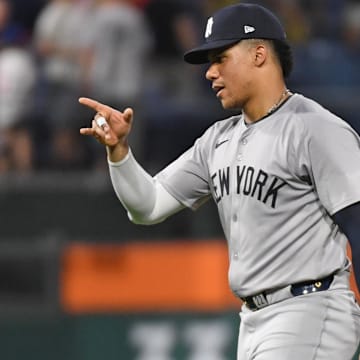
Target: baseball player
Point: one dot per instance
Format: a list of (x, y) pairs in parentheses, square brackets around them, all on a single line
[(284, 175)]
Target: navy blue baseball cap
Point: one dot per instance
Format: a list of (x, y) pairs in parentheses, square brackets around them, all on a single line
[(233, 23)]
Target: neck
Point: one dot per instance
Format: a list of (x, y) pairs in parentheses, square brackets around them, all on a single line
[(263, 104)]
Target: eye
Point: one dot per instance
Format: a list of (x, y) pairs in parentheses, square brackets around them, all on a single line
[(220, 58), (217, 59)]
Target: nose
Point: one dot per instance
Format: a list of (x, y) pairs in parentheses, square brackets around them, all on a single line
[(212, 72)]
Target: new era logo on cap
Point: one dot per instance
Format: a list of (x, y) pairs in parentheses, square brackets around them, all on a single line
[(248, 29)]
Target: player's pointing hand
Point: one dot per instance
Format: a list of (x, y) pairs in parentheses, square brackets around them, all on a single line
[(110, 127)]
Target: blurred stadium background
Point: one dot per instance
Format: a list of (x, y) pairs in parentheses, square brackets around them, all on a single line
[(78, 281)]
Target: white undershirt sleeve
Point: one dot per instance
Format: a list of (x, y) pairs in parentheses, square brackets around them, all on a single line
[(145, 199)]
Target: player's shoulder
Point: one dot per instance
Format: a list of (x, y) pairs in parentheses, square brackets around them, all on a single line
[(223, 126), (312, 114), (219, 129)]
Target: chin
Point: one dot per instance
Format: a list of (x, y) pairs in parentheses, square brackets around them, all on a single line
[(228, 105)]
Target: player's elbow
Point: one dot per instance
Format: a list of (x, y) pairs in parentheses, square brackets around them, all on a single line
[(143, 220)]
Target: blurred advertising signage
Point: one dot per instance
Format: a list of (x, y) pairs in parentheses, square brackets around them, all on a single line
[(146, 276), (165, 276)]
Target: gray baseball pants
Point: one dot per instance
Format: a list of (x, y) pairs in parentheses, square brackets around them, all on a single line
[(319, 326)]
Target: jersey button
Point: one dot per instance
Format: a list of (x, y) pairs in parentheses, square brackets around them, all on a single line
[(239, 157), (236, 255), (235, 218), (244, 141)]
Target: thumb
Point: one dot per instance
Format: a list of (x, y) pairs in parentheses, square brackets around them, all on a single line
[(128, 114)]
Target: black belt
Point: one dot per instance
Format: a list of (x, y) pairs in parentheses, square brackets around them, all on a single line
[(260, 300)]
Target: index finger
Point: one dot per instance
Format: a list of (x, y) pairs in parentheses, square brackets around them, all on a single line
[(95, 105)]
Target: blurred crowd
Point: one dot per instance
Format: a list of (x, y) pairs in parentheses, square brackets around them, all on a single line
[(129, 53)]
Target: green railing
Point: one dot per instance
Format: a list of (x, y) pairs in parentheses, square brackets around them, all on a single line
[(127, 337)]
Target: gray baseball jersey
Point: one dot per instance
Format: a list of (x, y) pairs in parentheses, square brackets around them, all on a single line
[(276, 184)]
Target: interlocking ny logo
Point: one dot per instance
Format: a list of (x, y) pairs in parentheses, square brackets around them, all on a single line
[(209, 26), (248, 29)]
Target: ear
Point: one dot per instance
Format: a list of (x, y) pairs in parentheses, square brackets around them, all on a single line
[(260, 54)]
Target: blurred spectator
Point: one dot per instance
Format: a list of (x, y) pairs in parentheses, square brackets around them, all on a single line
[(26, 12), (17, 80), (59, 42), (175, 29), (326, 61), (119, 41), (351, 27), (325, 16), (295, 20), (10, 32), (210, 6)]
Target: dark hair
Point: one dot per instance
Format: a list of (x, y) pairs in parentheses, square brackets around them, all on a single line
[(284, 53)]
